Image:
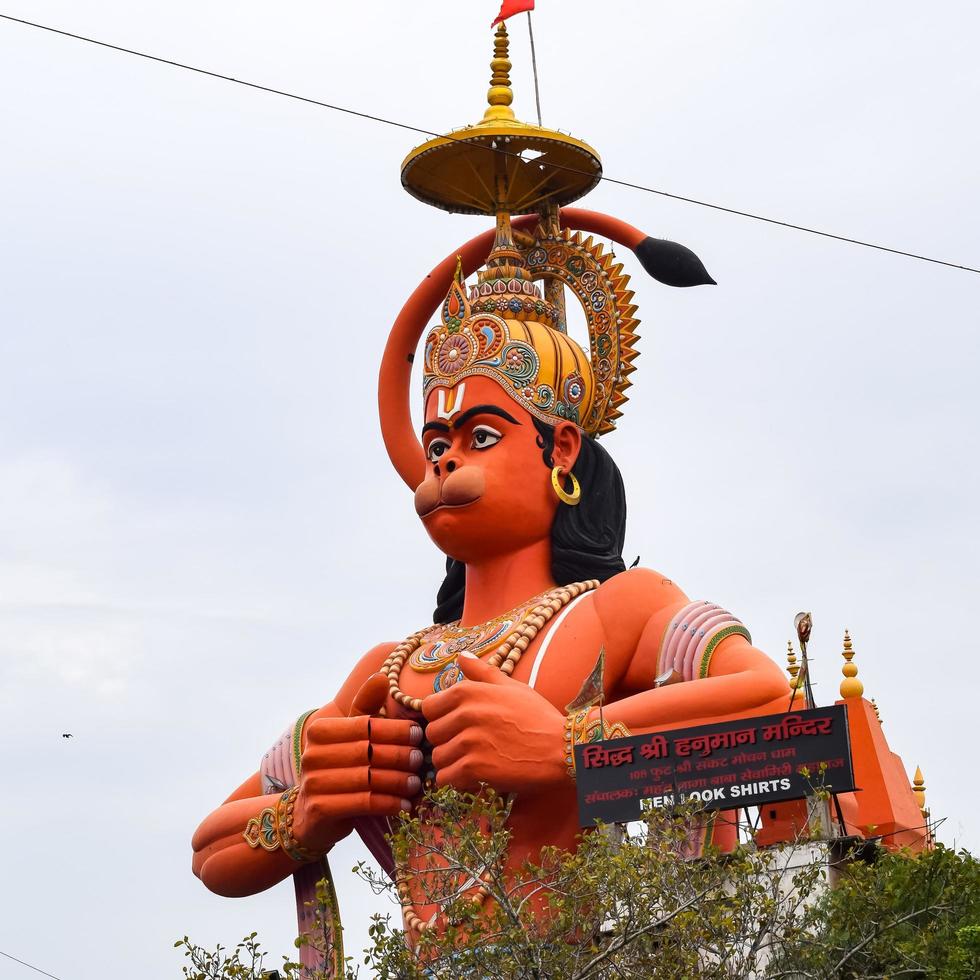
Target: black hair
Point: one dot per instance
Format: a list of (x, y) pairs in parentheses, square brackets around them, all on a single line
[(586, 540)]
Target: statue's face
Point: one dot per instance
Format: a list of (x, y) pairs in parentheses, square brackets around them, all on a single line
[(487, 490)]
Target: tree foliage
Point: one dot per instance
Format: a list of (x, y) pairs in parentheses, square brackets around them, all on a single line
[(626, 905), (897, 917)]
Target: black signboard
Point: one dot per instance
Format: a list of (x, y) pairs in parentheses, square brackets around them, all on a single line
[(724, 766)]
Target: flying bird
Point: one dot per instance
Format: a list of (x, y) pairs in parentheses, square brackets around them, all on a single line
[(67, 735)]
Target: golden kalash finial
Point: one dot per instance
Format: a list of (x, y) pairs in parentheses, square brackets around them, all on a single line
[(500, 95), (850, 686), (796, 679), (919, 790)]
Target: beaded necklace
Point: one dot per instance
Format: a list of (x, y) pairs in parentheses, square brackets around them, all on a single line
[(444, 642), (526, 621)]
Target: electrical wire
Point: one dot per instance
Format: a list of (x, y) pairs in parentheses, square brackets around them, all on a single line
[(428, 132), (36, 969)]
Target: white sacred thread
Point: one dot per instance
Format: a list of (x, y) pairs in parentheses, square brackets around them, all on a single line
[(532, 680)]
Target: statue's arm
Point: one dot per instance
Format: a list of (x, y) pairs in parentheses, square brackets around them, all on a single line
[(681, 663), (353, 765), (742, 682)]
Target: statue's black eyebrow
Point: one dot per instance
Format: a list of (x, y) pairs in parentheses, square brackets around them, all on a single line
[(467, 415), (483, 410)]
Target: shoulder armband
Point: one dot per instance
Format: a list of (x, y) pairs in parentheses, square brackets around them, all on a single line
[(692, 636), (280, 767)]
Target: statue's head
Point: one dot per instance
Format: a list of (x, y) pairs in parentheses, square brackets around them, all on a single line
[(488, 488), (486, 380), (510, 460)]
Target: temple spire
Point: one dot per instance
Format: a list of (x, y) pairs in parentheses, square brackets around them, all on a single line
[(919, 790), (850, 686)]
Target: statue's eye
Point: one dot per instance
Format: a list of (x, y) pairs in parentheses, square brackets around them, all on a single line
[(437, 449), (484, 437)]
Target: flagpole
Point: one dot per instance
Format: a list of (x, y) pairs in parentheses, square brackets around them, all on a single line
[(534, 66)]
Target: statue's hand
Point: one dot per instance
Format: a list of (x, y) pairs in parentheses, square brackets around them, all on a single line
[(355, 766), (494, 730)]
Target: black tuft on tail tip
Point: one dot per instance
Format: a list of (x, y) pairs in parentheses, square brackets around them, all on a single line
[(672, 264)]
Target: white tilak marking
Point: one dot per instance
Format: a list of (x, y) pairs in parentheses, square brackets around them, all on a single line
[(532, 680), (456, 404)]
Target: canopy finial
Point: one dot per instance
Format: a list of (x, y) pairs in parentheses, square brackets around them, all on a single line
[(501, 95)]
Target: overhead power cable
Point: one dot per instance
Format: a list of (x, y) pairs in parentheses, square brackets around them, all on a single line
[(36, 969), (428, 132)]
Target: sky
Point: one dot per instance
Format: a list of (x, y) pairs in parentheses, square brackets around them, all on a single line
[(199, 529)]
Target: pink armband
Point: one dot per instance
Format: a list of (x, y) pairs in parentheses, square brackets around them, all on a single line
[(692, 637)]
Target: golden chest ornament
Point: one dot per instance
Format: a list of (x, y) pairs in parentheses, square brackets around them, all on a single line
[(442, 644), (502, 640)]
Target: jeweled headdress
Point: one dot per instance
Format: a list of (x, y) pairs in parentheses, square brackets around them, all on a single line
[(508, 331), (510, 326)]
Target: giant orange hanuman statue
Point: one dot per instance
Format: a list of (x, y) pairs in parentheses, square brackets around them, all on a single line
[(512, 484)]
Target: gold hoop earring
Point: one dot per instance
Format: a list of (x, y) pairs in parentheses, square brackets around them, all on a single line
[(572, 499)]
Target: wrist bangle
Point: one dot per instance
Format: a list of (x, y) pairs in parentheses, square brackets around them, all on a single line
[(272, 829), (287, 803), (578, 730), (574, 724)]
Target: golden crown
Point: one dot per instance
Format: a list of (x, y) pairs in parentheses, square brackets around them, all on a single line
[(506, 330)]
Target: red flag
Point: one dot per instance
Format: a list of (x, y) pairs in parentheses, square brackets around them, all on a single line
[(510, 7)]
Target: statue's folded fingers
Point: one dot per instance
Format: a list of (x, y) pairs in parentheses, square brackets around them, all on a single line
[(466, 744), (370, 697), (341, 755), (322, 789), (400, 757), (451, 724), (318, 816), (394, 731), (325, 731), (332, 782), (384, 805), (437, 705), (395, 783)]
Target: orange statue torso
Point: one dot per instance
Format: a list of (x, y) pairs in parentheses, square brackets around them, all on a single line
[(508, 732)]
